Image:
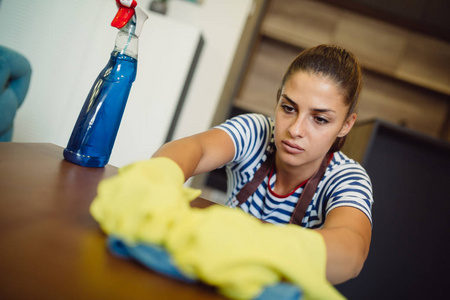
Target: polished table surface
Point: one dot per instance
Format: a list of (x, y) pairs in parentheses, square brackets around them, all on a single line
[(51, 247)]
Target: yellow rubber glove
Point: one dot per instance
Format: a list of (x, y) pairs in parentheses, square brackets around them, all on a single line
[(232, 250), (143, 200), (227, 248)]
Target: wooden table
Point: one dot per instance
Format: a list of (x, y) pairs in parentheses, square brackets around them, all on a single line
[(51, 247)]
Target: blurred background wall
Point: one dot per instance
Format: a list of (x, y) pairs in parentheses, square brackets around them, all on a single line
[(188, 50)]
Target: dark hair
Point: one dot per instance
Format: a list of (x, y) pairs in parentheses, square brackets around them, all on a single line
[(334, 63)]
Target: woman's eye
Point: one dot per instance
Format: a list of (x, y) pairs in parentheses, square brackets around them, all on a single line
[(287, 108), (321, 120)]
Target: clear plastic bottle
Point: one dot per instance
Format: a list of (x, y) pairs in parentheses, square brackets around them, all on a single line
[(95, 130)]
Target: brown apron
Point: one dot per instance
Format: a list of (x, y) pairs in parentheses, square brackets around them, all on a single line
[(305, 198)]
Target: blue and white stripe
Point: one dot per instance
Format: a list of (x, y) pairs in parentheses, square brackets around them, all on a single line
[(345, 182)]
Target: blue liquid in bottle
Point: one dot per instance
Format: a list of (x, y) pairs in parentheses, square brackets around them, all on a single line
[(95, 131)]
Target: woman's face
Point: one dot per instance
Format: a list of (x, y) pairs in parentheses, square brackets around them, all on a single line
[(310, 114)]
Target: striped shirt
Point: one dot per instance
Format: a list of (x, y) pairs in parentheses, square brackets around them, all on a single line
[(345, 182)]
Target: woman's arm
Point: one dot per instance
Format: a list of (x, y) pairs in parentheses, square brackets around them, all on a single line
[(347, 233), (199, 153)]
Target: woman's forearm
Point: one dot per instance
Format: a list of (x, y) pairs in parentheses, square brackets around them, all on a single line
[(346, 254), (347, 233), (186, 153), (199, 153)]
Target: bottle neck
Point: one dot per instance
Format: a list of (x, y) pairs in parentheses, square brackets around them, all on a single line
[(127, 42)]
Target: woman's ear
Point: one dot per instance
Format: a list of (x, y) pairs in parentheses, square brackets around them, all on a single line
[(348, 125)]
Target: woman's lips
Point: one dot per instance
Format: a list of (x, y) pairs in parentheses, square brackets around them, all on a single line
[(292, 148)]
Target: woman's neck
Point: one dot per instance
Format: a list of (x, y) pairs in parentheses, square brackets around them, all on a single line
[(288, 177)]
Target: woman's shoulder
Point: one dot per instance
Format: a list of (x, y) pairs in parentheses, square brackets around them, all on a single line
[(249, 125), (251, 133), (346, 183), (249, 118), (342, 163)]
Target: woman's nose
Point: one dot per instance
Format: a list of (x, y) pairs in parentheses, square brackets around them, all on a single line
[(298, 127)]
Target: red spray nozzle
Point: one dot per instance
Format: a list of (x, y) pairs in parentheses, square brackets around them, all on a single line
[(125, 13)]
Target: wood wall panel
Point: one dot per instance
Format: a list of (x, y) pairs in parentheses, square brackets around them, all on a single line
[(265, 73), (426, 62), (301, 23), (377, 45), (401, 104)]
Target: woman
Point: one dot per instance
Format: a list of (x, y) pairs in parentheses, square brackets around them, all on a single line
[(315, 111)]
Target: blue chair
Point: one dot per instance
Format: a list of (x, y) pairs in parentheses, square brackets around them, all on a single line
[(15, 74)]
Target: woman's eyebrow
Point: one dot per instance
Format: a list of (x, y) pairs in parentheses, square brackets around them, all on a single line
[(322, 110), (317, 110), (288, 99)]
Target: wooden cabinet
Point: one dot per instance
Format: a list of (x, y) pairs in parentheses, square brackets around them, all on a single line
[(406, 74)]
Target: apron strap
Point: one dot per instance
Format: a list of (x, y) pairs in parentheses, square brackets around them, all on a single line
[(251, 186), (308, 193), (305, 198)]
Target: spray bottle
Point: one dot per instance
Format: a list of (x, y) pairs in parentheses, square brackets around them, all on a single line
[(96, 128)]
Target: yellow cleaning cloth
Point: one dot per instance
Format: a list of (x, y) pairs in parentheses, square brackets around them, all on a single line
[(223, 247)]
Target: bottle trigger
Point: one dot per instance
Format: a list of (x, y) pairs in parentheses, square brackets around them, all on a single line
[(125, 13)]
